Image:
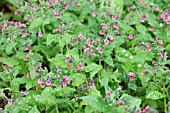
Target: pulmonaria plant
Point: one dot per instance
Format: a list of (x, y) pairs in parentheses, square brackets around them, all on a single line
[(86, 56)]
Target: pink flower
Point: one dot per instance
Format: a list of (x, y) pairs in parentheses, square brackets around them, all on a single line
[(67, 59), (160, 42), (93, 54), (48, 82), (26, 3), (92, 84), (28, 74), (10, 66), (91, 50), (56, 67), (110, 37), (102, 14), (155, 68), (100, 50), (39, 64), (40, 34), (115, 26), (78, 6), (65, 78), (114, 17), (159, 54), (147, 44), (138, 111), (69, 65), (58, 16), (163, 16), (56, 30), (108, 92), (143, 72), (156, 8), (35, 8), (23, 25), (165, 53), (146, 15), (40, 80), (131, 37), (42, 85), (80, 36), (106, 41), (55, 1), (9, 101), (90, 44), (151, 28), (35, 70), (80, 66), (149, 48), (102, 32), (131, 74), (119, 102), (110, 4), (72, 43), (147, 107), (64, 84), (16, 12), (94, 14), (4, 67), (143, 111), (88, 40), (142, 19)]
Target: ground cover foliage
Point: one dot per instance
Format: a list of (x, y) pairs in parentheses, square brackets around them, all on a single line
[(85, 56)]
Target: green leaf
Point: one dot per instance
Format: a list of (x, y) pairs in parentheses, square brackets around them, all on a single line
[(77, 79), (9, 47), (141, 28), (36, 57), (31, 83), (59, 60), (132, 101), (34, 110), (66, 17), (152, 103), (35, 23), (93, 69), (132, 85), (64, 91), (46, 21), (89, 109), (51, 38), (46, 92), (126, 28), (109, 48), (116, 4), (16, 82), (74, 53), (20, 55), (144, 37), (108, 59), (142, 56), (11, 61), (163, 36), (96, 102), (155, 95)]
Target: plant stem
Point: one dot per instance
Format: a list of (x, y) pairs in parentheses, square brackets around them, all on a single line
[(56, 108), (165, 101)]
